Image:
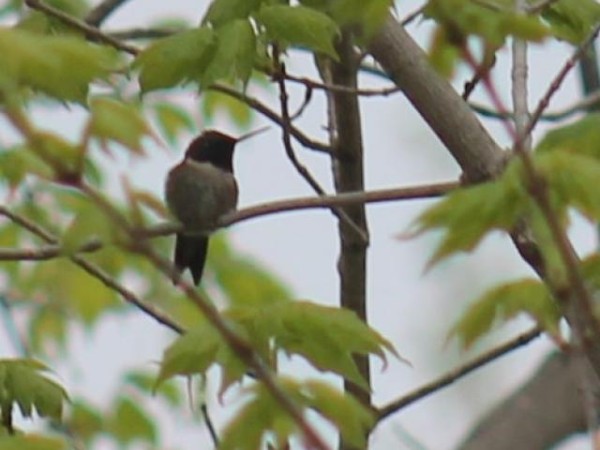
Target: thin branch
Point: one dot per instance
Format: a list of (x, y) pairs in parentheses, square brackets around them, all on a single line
[(553, 116), (572, 293), (343, 199), (456, 374), (252, 212), (101, 12), (314, 84), (93, 270), (436, 100), (557, 82), (142, 33), (91, 32), (238, 345), (413, 16), (209, 424), (236, 342), (519, 75), (305, 102), (300, 168), (271, 115)]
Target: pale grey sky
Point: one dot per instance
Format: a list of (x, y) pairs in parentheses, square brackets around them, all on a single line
[(413, 309)]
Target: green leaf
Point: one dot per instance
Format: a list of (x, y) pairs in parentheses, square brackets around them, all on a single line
[(196, 351), (18, 162), (172, 120), (85, 422), (70, 290), (221, 12), (63, 157), (22, 383), (554, 265), (214, 102), (370, 14), (467, 215), (502, 304), (572, 180), (59, 66), (442, 53), (32, 442), (177, 59), (590, 269), (327, 337), (112, 120), (463, 18), (581, 137), (351, 418), (262, 417), (572, 20), (300, 26), (146, 383), (130, 423), (234, 57), (47, 330), (89, 223)]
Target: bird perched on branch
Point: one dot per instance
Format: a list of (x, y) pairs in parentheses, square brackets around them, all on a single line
[(199, 191)]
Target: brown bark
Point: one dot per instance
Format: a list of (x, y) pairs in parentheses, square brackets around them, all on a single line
[(545, 410), (347, 166)]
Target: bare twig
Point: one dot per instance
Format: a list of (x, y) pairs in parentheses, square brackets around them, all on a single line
[(413, 15), (573, 294), (93, 270), (314, 84), (101, 12), (343, 199), (271, 115), (142, 33), (347, 167), (556, 84), (582, 105), (300, 168), (90, 31), (456, 374), (209, 424), (519, 76), (252, 212)]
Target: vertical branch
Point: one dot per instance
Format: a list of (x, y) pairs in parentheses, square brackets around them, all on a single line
[(519, 83), (347, 165), (590, 84), (589, 74)]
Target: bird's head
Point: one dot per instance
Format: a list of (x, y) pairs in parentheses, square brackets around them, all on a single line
[(213, 147)]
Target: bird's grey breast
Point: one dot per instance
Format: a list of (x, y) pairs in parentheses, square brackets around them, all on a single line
[(198, 194)]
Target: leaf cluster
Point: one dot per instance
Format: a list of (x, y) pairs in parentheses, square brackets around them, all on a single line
[(492, 22), (22, 384), (568, 161), (326, 337)]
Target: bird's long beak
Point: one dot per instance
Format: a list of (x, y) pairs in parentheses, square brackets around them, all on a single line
[(253, 133)]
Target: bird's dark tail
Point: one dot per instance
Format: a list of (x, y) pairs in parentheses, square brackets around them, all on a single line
[(190, 252)]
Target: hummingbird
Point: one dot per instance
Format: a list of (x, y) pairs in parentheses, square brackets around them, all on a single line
[(199, 191)]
